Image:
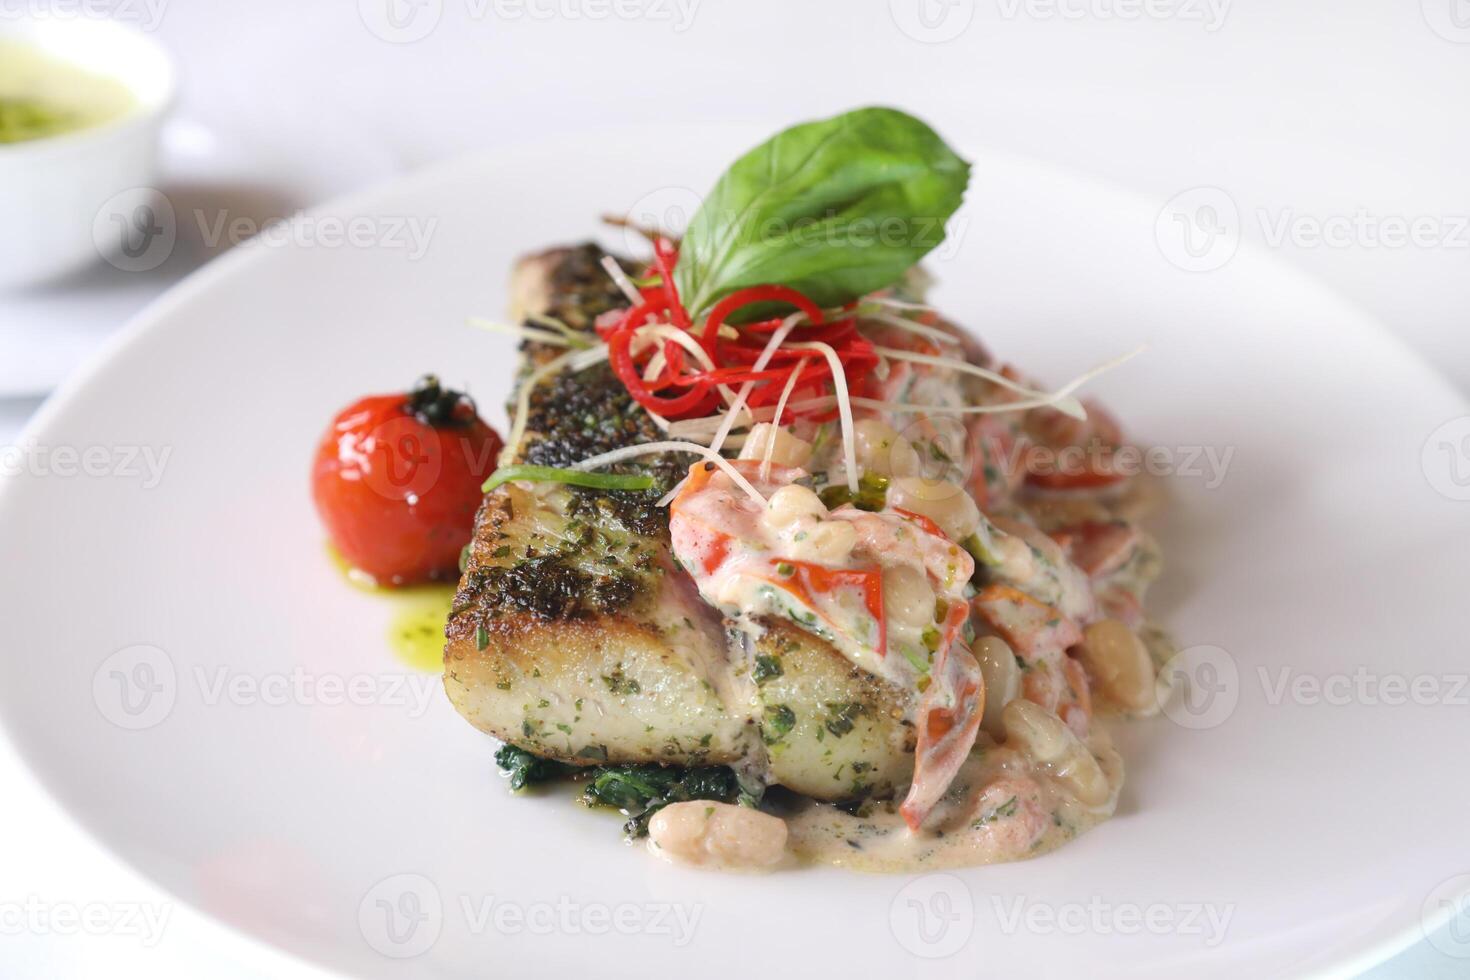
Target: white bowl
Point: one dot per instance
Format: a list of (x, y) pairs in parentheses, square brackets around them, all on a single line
[(58, 194)]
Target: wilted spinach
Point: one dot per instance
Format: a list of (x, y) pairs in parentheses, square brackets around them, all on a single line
[(640, 791), (523, 768)]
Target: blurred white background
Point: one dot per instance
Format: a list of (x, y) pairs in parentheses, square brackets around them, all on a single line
[(1334, 128)]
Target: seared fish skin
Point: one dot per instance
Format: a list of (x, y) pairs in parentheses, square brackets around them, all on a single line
[(576, 637)]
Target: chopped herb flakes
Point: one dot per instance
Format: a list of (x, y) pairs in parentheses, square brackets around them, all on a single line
[(766, 667), (618, 683), (1006, 809), (778, 722), (840, 717)]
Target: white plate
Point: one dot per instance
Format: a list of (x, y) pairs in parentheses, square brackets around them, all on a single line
[(1321, 831)]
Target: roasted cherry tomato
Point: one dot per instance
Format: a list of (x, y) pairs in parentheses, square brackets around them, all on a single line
[(397, 481)]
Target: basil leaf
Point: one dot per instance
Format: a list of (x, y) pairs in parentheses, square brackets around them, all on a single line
[(835, 209)]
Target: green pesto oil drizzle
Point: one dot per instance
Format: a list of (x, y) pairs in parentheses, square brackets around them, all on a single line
[(416, 632)]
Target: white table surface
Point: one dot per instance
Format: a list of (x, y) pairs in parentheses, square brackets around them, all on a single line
[(1340, 115)]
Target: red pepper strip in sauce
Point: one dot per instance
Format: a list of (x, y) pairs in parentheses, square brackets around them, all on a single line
[(1122, 605), (1031, 627), (1078, 713), (1099, 547), (949, 720), (808, 580), (1048, 469), (923, 522), (718, 549), (820, 579)]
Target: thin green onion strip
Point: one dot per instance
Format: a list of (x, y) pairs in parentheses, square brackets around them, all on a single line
[(576, 478)]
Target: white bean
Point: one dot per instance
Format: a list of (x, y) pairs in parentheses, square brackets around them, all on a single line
[(908, 600), (704, 833), (1118, 660), (791, 503), (882, 451), (827, 543), (944, 503), (1056, 751), (789, 450), (1002, 680)]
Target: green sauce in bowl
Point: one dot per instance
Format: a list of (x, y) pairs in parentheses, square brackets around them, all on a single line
[(43, 96)]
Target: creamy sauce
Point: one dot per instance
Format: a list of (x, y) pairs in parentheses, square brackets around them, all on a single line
[(999, 808), (42, 96), (809, 566), (1000, 802)]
